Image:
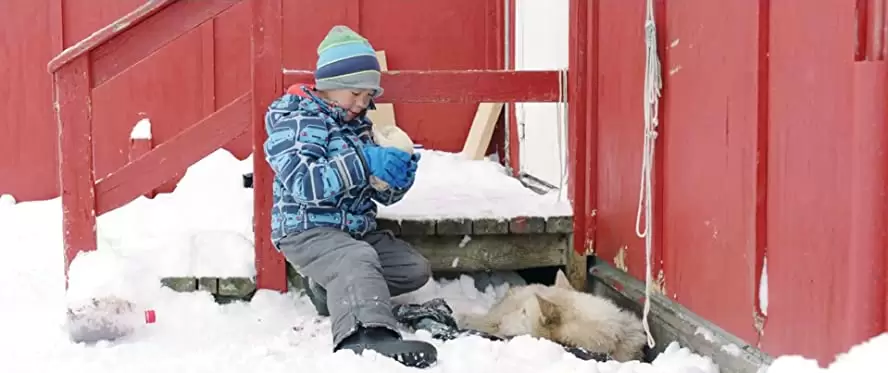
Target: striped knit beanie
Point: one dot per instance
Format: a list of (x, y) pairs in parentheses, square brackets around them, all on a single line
[(347, 60)]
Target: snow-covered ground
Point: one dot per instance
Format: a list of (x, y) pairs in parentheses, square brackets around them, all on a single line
[(204, 229)]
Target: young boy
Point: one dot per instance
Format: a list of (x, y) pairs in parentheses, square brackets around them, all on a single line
[(322, 153)]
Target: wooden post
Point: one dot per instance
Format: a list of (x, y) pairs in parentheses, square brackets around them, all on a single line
[(271, 269), (73, 102), (578, 102), (141, 143)]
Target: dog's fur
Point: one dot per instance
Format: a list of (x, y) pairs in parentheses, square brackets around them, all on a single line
[(563, 315)]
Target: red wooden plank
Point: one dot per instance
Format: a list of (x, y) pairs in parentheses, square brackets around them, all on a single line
[(862, 12), (457, 86), (578, 121), (435, 126), (138, 148), (74, 115), (29, 136), (173, 156), (875, 29), (107, 33), (208, 58), (810, 162), (271, 269), (496, 40), (620, 120), (866, 254), (513, 142), (352, 10), (56, 31), (129, 47), (761, 188), (709, 202)]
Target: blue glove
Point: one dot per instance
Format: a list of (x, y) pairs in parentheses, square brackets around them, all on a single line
[(411, 168), (388, 164)]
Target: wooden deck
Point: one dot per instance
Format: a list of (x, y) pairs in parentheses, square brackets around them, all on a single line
[(454, 245)]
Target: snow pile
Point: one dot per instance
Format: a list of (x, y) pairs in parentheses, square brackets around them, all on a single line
[(866, 357), (205, 227), (209, 214), (449, 186)]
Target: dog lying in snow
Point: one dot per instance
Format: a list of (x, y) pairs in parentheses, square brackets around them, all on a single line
[(563, 315)]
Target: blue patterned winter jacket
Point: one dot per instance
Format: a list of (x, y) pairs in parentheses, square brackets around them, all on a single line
[(320, 174)]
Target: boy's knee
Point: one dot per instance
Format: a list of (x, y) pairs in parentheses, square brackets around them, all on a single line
[(417, 274), (352, 262), (360, 255)]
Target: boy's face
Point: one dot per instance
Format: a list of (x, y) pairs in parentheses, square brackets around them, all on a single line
[(353, 101)]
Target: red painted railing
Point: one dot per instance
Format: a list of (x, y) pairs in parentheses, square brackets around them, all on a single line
[(113, 49)]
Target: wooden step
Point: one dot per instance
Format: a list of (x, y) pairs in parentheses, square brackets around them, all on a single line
[(454, 246)]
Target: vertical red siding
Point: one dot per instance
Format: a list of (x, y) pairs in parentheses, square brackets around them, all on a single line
[(620, 131), (29, 141), (758, 102), (771, 140), (709, 159), (232, 64), (415, 36), (810, 166), (209, 67)]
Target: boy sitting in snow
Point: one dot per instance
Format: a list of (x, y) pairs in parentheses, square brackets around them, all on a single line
[(323, 155)]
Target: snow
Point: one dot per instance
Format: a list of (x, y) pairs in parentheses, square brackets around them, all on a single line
[(707, 334), (176, 234), (190, 233), (142, 130), (450, 186), (7, 200), (763, 287), (185, 233), (865, 357)]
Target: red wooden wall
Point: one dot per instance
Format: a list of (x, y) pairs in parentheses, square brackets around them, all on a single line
[(210, 66), (28, 135), (772, 144)]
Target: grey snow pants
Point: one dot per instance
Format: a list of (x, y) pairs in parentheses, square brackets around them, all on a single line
[(360, 275)]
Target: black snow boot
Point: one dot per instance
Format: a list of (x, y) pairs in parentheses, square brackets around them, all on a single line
[(411, 353), (317, 295)]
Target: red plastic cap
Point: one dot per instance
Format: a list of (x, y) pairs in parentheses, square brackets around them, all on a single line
[(150, 317)]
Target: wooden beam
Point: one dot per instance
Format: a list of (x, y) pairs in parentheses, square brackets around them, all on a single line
[(581, 161), (670, 321), (126, 49), (141, 143), (457, 86), (486, 118), (384, 115), (107, 33), (576, 267), (173, 156), (267, 41), (74, 118), (491, 252)]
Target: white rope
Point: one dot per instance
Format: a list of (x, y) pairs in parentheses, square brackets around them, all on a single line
[(652, 84), (561, 122)]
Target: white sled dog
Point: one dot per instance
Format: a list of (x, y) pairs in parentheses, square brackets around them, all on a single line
[(563, 315)]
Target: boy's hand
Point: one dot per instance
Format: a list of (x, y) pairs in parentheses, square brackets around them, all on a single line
[(389, 164), (411, 168)]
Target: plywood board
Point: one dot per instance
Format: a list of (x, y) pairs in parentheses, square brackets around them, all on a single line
[(482, 130), (384, 115)]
